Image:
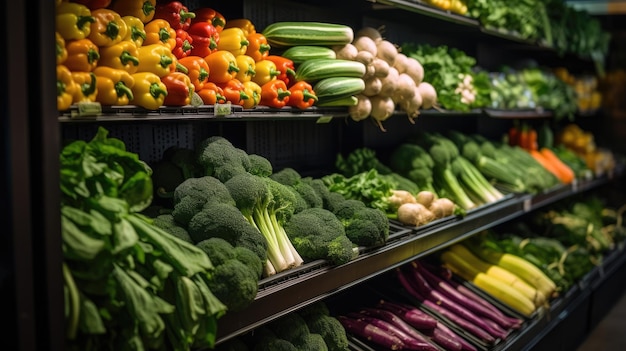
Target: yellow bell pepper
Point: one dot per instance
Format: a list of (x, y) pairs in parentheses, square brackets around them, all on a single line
[(156, 58), (108, 29), (61, 51), (253, 91), (123, 55), (136, 31), (159, 31), (246, 67), (87, 86), (73, 21), (149, 92), (233, 40), (82, 55), (265, 72), (222, 66), (114, 86), (245, 24), (65, 88), (142, 9)]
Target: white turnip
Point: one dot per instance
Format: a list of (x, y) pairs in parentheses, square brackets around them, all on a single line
[(414, 214), (372, 86), (346, 52), (387, 51), (400, 62), (400, 197), (382, 108), (381, 67), (405, 88), (425, 198), (429, 95), (412, 106), (365, 57), (389, 83), (362, 109), (365, 44), (414, 69), (375, 34)]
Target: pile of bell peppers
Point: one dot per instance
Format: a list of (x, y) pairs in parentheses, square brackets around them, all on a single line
[(141, 53)]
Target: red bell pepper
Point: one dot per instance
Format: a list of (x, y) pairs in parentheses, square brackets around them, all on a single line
[(286, 68), (177, 14), (205, 38), (179, 89), (211, 94), (302, 95), (207, 14), (274, 94), (183, 45), (234, 91)]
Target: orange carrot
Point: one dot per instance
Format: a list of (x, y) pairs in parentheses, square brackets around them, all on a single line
[(567, 174), (546, 164)]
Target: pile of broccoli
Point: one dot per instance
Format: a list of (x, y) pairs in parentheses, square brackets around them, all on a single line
[(234, 279)]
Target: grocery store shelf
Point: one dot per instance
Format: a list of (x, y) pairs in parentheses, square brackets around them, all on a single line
[(419, 7), (291, 290)]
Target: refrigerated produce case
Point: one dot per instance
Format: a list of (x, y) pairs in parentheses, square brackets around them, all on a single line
[(31, 279)]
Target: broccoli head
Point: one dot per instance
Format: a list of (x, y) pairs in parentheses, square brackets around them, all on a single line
[(331, 330), (274, 344), (312, 342), (234, 284), (317, 233), (218, 250), (193, 193), (218, 157), (250, 259), (364, 226), (287, 176), (226, 221), (291, 327), (260, 165), (308, 194), (169, 224)]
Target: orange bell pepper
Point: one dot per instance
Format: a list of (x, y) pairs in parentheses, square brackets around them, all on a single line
[(123, 55), (211, 94), (222, 66), (253, 91), (65, 88), (82, 55), (197, 70), (274, 94), (86, 86), (179, 89), (142, 9), (246, 67), (159, 31), (136, 30), (258, 47), (108, 29), (61, 51), (156, 58), (114, 86), (234, 91), (302, 95)]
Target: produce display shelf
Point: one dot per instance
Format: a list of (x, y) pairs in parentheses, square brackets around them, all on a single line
[(518, 113)]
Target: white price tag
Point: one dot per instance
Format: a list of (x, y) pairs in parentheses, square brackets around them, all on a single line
[(223, 109), (87, 109), (324, 119)]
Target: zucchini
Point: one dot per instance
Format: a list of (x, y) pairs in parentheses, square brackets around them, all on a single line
[(350, 100), (284, 34), (301, 53), (315, 69), (329, 90)]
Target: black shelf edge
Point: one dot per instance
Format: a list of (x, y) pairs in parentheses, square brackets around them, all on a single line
[(417, 6)]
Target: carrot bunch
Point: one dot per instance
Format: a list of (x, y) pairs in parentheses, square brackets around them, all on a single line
[(525, 136)]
